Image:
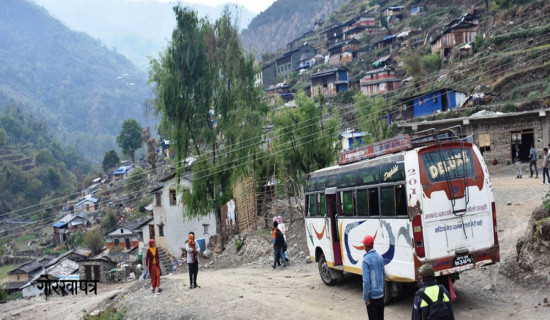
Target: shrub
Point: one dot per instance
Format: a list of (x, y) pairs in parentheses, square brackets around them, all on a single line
[(431, 63), (239, 242), (508, 107), (94, 241)]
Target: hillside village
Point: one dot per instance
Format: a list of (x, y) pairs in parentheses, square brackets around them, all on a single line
[(428, 64), (436, 64)]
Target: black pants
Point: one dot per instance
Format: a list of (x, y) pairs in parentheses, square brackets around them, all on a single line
[(531, 164), (375, 310), (193, 272)]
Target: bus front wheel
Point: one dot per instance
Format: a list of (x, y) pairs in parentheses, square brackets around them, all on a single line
[(325, 272)]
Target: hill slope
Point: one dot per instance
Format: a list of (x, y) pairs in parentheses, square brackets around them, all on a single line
[(83, 90), (284, 21)]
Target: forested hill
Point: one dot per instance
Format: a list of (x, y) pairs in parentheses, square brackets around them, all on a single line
[(80, 88), (33, 166), (284, 21)]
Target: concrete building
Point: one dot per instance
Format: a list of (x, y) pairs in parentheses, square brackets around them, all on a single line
[(431, 102), (290, 61), (330, 82), (379, 81), (496, 134), (171, 225)]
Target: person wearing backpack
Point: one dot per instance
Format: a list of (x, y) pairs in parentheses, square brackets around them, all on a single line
[(432, 301), (278, 243)]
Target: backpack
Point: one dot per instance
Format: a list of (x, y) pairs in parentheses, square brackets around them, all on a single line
[(437, 310), (279, 238)]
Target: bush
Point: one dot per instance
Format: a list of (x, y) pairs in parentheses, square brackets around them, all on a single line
[(239, 242), (478, 42), (94, 241), (508, 107), (431, 63)]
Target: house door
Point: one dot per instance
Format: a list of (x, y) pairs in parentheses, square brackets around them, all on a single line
[(152, 231), (96, 273), (127, 240), (88, 271), (524, 139)]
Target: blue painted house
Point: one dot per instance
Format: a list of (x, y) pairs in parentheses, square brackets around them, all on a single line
[(428, 103)]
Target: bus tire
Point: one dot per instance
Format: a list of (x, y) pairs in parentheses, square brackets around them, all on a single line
[(387, 292), (325, 272)]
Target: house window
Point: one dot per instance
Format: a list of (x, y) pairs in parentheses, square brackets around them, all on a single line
[(161, 230), (17, 277), (205, 226), (484, 142), (173, 200), (157, 197), (87, 207)]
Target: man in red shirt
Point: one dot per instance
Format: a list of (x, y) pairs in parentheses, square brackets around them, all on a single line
[(152, 264), (278, 243)]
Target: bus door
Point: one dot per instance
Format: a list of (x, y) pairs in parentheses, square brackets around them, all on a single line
[(332, 215)]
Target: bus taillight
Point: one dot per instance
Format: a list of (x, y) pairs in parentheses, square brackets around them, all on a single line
[(495, 222), (418, 236)]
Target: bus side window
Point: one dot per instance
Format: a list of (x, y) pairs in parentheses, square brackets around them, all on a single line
[(312, 205), (388, 201), (347, 203), (374, 209), (322, 207), (363, 202), (401, 200)]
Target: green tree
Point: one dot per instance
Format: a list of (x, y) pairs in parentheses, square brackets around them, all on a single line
[(109, 221), (129, 139), (94, 241), (306, 139), (3, 137), (384, 22), (110, 160), (371, 113), (413, 64), (136, 180), (204, 92), (431, 63)]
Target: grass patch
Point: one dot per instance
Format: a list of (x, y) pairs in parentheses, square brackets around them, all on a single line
[(4, 271), (109, 314)]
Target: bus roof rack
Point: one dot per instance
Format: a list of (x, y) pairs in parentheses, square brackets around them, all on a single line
[(432, 135)]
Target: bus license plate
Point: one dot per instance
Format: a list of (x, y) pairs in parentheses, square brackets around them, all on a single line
[(463, 260)]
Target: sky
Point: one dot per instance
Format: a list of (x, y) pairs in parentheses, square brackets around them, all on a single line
[(256, 6)]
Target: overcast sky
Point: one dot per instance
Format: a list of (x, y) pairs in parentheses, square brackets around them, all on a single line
[(256, 6)]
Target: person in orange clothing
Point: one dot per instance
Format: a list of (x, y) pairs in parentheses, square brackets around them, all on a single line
[(152, 264)]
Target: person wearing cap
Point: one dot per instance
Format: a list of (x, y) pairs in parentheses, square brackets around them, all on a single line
[(152, 262), (431, 291), (373, 280)]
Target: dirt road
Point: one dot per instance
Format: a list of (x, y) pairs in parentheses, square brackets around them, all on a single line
[(256, 291)]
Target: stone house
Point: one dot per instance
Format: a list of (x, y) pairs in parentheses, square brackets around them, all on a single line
[(70, 223), (330, 82), (496, 134), (88, 204), (379, 81), (290, 61), (267, 75), (344, 51), (171, 226), (122, 237), (360, 25), (95, 268), (457, 33)]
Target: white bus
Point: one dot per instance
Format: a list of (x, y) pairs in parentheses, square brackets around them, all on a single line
[(428, 200)]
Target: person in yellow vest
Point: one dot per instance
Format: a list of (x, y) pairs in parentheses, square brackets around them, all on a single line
[(152, 263), (432, 300)]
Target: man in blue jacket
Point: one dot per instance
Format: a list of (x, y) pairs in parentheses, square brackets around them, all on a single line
[(373, 280)]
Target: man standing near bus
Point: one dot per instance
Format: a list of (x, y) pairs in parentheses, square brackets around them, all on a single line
[(373, 280), (432, 300)]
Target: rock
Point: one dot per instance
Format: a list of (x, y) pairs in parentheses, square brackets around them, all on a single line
[(330, 308), (509, 204), (95, 313), (301, 253), (489, 288), (15, 314), (545, 300), (241, 297)]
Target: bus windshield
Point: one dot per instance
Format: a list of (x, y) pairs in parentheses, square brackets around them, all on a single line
[(448, 160)]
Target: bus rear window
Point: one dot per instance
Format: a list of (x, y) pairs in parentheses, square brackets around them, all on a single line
[(448, 160)]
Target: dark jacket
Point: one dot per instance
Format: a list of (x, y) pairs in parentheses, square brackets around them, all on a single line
[(420, 307)]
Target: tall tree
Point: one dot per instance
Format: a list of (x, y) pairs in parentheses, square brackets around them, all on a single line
[(129, 138), (151, 144), (372, 116), (110, 160), (205, 94), (306, 139)]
